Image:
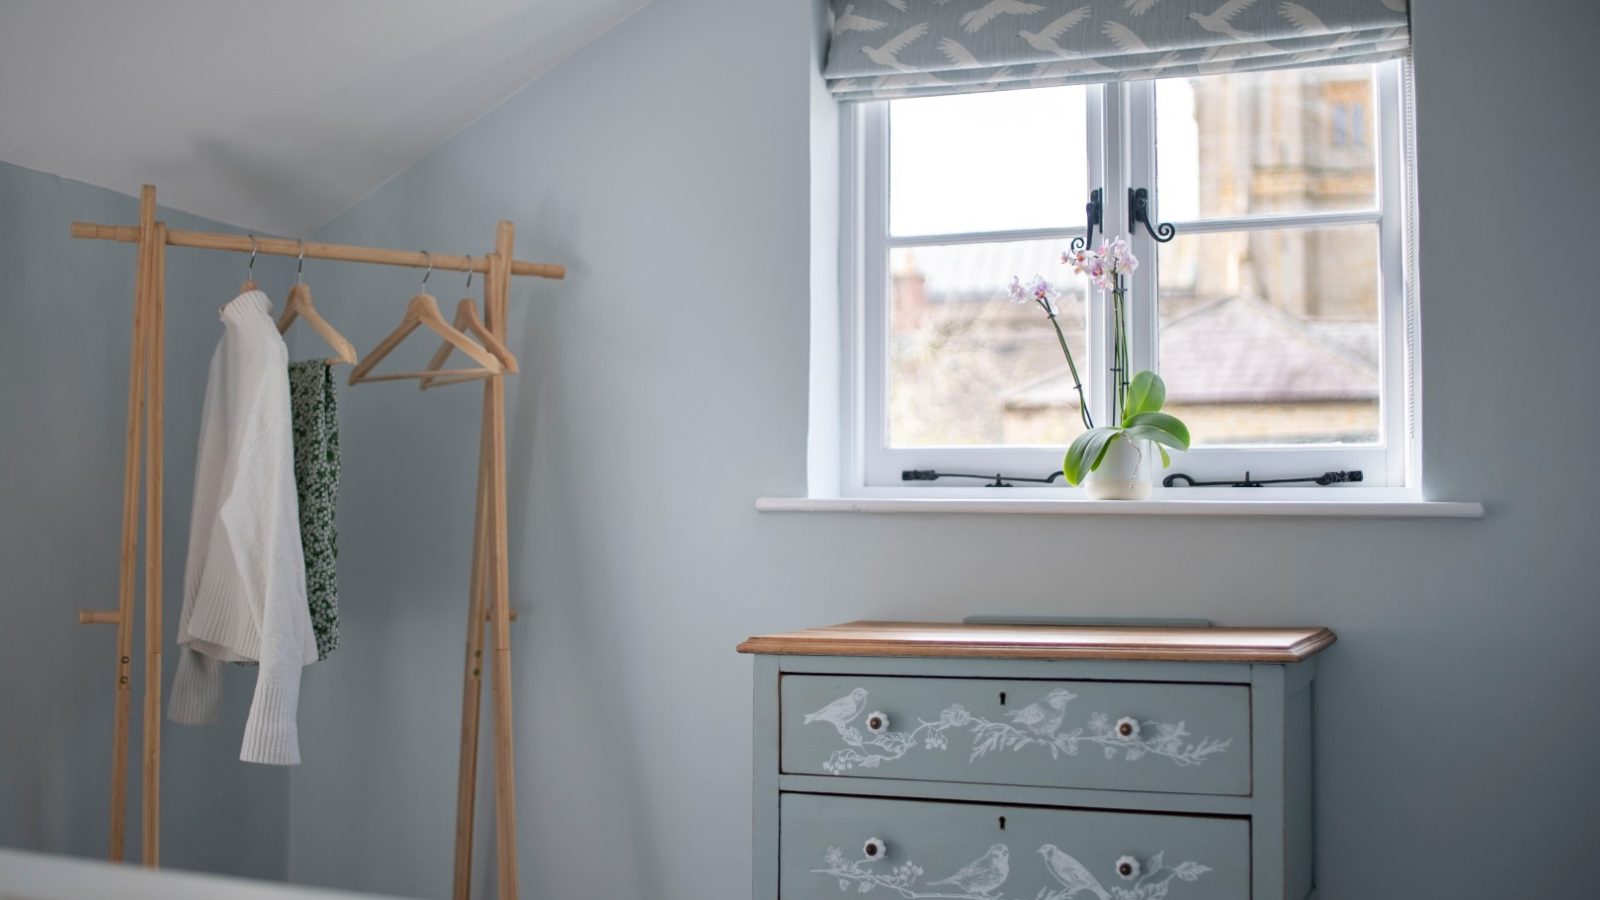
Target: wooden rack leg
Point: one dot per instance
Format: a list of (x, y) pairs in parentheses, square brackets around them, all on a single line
[(497, 288), (130, 528), (472, 676), (155, 405)]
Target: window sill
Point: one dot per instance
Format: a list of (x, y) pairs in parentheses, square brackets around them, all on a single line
[(1330, 508)]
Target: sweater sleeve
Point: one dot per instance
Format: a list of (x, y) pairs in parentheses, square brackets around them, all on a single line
[(260, 513), (197, 687)]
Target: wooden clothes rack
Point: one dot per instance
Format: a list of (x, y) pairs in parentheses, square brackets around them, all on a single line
[(489, 582)]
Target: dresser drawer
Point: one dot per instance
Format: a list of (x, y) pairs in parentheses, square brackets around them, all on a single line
[(983, 852), (1181, 738)]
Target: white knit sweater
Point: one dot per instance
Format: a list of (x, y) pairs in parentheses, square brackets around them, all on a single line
[(244, 596)]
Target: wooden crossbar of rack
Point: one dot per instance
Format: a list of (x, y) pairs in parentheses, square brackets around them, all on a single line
[(488, 601), (211, 240)]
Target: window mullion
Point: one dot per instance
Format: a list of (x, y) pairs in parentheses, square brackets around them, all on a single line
[(982, 237), (1268, 222), (1113, 158), (1095, 107), (871, 426), (1394, 306), (1143, 333)]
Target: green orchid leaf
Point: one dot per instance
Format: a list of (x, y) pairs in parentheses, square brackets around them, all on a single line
[(1166, 458), (1105, 445), (1072, 463), (1086, 452), (1163, 428), (1154, 435), (1146, 393)]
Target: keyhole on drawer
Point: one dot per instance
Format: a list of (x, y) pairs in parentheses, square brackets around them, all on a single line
[(1002, 698), (1002, 823)]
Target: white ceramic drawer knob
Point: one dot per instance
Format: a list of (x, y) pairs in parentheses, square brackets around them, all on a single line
[(1127, 728), (877, 721), (1128, 868), (875, 848)]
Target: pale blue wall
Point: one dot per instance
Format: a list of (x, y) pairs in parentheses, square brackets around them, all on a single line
[(664, 388), (66, 311)]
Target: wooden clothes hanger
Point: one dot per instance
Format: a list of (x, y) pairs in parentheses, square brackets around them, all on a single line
[(469, 322), (424, 310), (299, 305)]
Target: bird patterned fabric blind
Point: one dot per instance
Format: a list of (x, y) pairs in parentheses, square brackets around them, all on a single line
[(902, 48)]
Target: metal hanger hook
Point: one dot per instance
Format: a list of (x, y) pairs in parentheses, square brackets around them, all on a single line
[(469, 273), (249, 270), (300, 264), (428, 274)]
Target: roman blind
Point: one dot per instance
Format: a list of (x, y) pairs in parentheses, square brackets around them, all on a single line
[(901, 48)]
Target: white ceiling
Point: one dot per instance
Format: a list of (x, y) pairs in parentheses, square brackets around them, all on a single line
[(273, 116)]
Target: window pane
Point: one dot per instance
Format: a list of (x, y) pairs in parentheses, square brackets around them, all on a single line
[(1286, 141), (966, 366), (1272, 336), (988, 162)]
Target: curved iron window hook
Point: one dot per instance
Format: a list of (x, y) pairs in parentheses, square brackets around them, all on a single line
[(1094, 210), (1139, 211)]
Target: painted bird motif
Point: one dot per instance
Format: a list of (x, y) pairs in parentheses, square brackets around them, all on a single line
[(1221, 21), (983, 874), (958, 54), (1125, 38), (888, 55), (1071, 873), (840, 712), (973, 22), (1045, 38), (1044, 719), (850, 20)]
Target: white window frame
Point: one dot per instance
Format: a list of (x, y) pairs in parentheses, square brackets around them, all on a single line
[(1121, 154)]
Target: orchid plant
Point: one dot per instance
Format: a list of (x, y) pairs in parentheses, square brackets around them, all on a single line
[(1136, 401)]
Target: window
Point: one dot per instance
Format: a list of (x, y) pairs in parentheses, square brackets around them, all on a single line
[(1277, 316)]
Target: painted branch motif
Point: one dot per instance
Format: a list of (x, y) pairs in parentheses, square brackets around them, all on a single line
[(984, 876), (1035, 725)]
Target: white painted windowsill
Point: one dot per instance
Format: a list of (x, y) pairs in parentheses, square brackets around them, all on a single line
[(1335, 508)]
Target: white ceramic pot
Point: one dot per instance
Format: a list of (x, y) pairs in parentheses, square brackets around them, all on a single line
[(1124, 472)]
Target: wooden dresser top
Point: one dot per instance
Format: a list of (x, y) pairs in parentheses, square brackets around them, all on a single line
[(971, 641)]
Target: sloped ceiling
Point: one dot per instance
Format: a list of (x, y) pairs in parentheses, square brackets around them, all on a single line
[(273, 116)]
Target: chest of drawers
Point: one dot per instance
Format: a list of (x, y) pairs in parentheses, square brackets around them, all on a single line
[(916, 761)]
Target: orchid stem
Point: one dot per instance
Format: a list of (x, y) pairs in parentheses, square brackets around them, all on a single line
[(1077, 383), (1119, 358)]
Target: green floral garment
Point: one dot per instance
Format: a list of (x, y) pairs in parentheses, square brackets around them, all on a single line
[(314, 412), (314, 409)]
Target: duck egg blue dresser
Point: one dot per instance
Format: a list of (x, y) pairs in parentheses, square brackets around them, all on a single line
[(915, 761)]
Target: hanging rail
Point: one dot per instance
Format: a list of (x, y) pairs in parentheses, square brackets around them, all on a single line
[(211, 240)]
